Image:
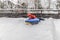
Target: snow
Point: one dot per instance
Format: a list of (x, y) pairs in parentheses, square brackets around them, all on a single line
[(57, 26), (16, 29)]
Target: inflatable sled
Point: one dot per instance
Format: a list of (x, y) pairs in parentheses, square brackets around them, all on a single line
[(32, 21)]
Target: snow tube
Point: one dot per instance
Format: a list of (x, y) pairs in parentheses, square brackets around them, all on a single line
[(36, 20)]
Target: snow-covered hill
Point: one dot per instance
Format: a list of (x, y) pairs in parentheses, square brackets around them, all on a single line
[(16, 29)]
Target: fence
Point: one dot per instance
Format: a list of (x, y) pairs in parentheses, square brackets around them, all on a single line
[(49, 11), (55, 13)]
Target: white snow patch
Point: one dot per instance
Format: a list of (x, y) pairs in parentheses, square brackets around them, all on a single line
[(57, 26), (16, 29)]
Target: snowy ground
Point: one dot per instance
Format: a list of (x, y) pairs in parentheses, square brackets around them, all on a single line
[(15, 29), (57, 26)]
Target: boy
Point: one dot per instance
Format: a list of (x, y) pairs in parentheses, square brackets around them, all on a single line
[(31, 16)]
